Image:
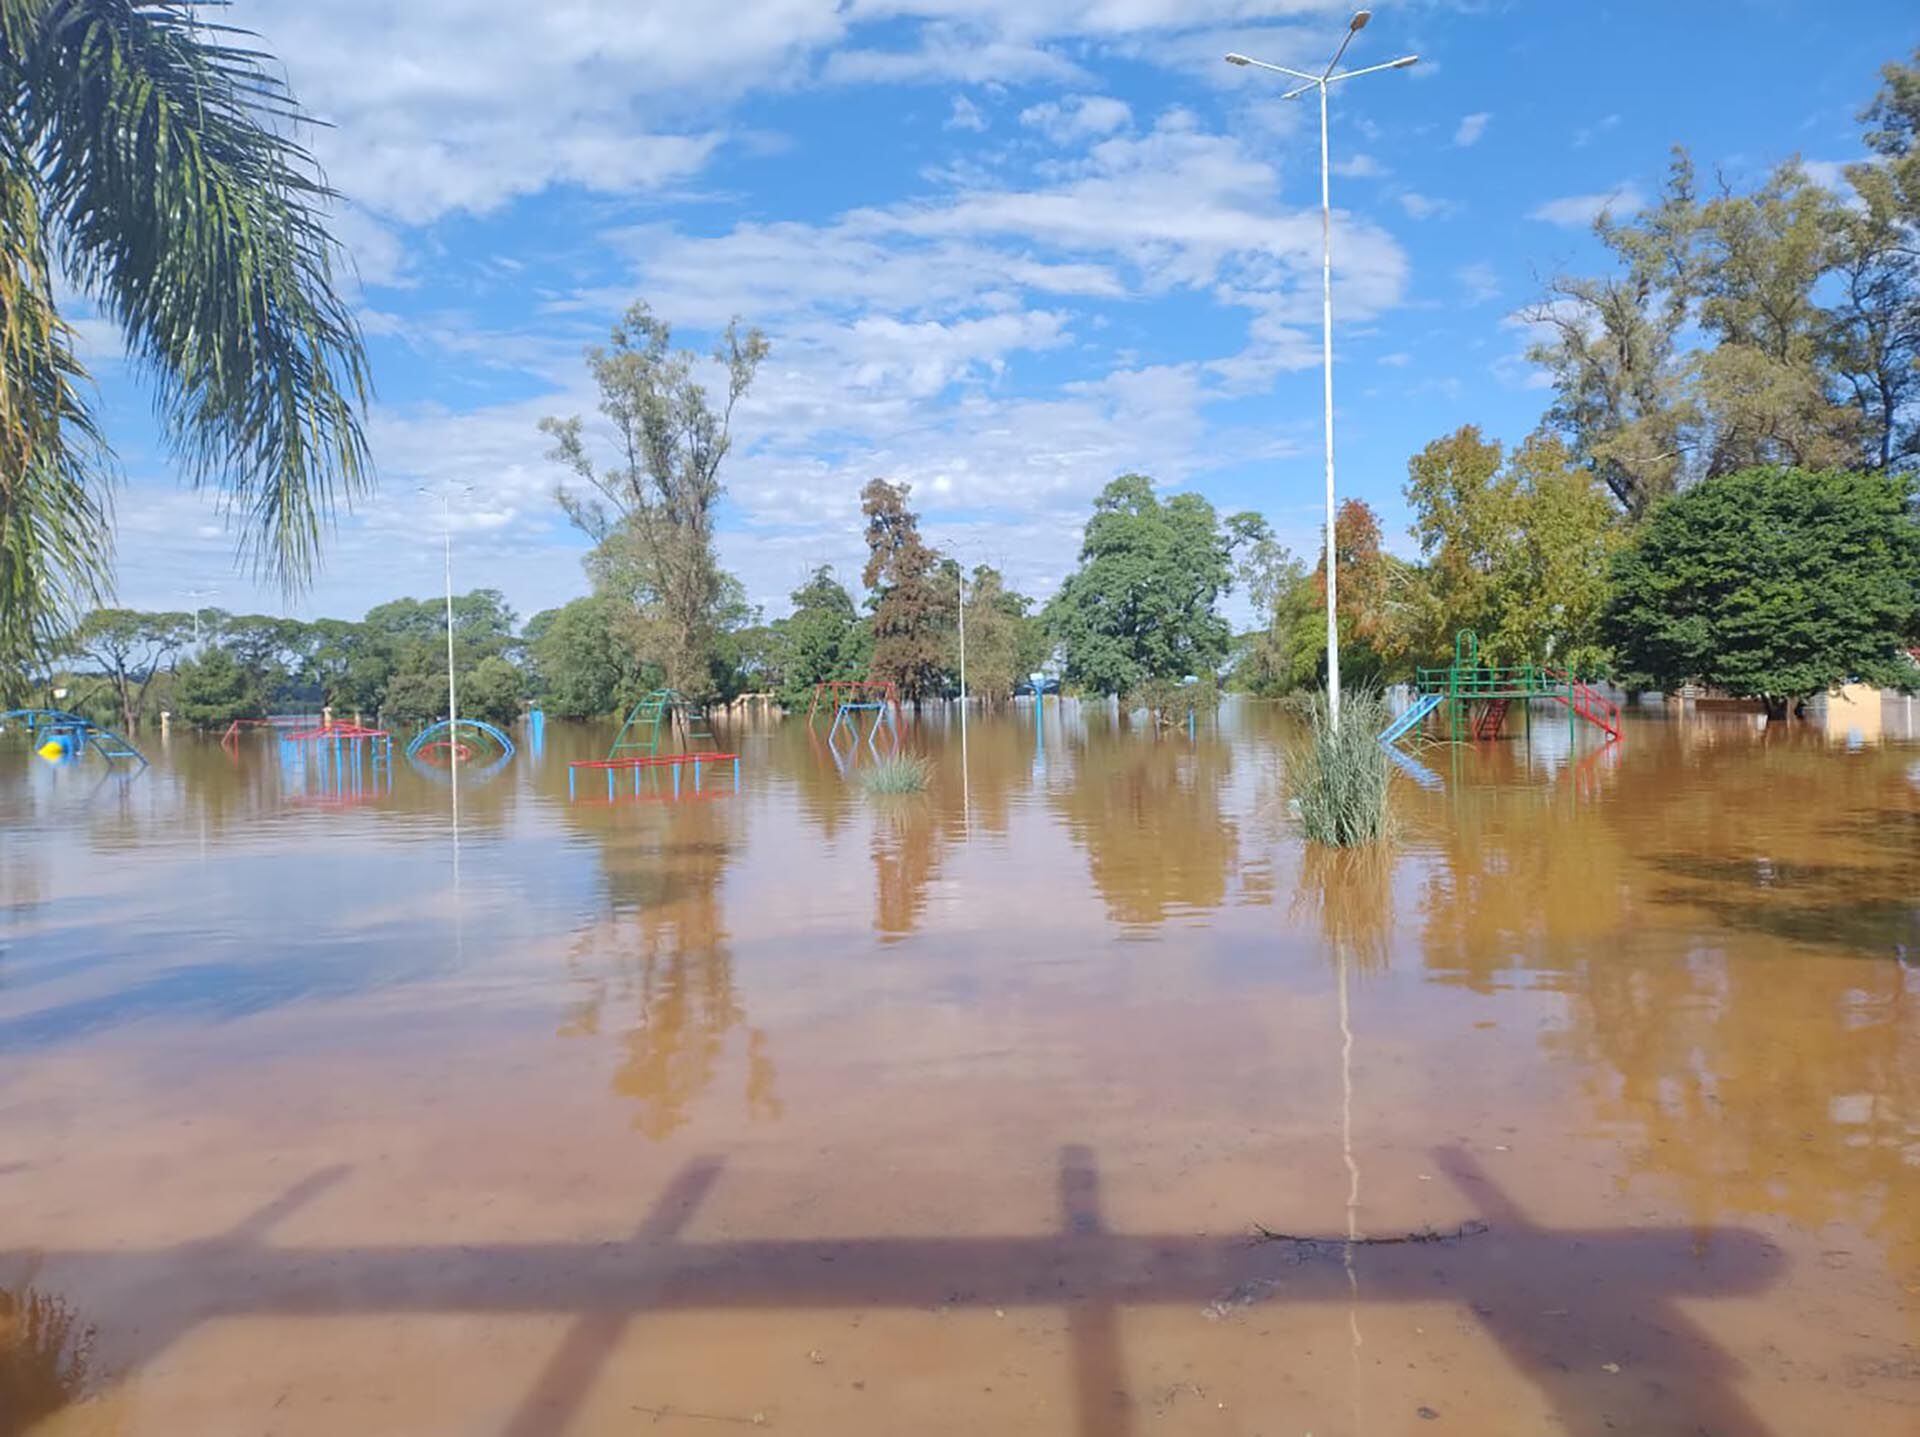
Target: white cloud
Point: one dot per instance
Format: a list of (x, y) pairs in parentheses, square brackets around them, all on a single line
[(1478, 282), (952, 53), (1077, 117), (1400, 359), (1471, 128), (436, 106), (1426, 207), (1578, 211), (1586, 134), (966, 116), (1359, 167)]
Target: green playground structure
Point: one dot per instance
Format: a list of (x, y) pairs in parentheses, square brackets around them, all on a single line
[(1477, 696), (651, 722)]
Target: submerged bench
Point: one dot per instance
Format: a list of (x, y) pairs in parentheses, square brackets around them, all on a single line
[(675, 762)]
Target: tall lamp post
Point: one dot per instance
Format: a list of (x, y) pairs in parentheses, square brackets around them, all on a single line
[(1322, 82), (453, 700)]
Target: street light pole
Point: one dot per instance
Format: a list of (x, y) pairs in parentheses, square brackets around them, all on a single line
[(1322, 83)]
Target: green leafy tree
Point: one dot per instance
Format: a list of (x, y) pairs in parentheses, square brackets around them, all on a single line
[(581, 668), (913, 611), (1141, 605), (650, 508), (825, 639), (1518, 549), (1005, 641), (345, 665), (1771, 327), (1771, 583), (150, 160), (213, 690), (492, 690), (417, 691), (128, 649), (1876, 336)]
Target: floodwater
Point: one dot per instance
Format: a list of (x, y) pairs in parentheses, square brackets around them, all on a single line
[(791, 1109)]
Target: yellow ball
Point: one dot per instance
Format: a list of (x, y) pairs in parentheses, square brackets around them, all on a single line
[(52, 752)]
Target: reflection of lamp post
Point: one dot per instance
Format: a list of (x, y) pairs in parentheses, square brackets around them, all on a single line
[(1321, 82)]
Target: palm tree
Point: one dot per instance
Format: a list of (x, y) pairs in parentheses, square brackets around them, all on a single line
[(148, 161)]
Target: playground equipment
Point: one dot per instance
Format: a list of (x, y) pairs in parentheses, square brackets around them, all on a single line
[(851, 701), (57, 735), (338, 762), (467, 740), (835, 694), (282, 724), (1477, 696), (655, 718), (673, 764)]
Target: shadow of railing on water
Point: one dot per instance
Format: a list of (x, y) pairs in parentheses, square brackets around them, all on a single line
[(1603, 1292)]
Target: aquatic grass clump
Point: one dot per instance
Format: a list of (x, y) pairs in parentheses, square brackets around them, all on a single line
[(903, 773), (1339, 780)]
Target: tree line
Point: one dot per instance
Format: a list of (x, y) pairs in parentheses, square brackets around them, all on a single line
[(1721, 490)]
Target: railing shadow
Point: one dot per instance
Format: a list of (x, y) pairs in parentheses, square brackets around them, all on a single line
[(1562, 1304)]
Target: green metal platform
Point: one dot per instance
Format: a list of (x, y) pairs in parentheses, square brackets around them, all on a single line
[(1476, 695)]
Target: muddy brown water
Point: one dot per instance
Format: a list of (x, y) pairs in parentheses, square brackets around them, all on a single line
[(787, 1109)]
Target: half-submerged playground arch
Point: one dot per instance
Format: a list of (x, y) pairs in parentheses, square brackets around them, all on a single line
[(56, 735), (1477, 696), (645, 742), (467, 741)]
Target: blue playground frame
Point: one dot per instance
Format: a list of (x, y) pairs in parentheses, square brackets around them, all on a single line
[(78, 736)]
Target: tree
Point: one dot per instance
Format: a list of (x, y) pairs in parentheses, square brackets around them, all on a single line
[(1140, 607), (1876, 341), (1004, 642), (580, 668), (650, 510), (1518, 549), (1772, 583), (149, 160), (127, 649), (1778, 376), (824, 638), (1266, 662), (912, 611), (491, 691), (214, 690)]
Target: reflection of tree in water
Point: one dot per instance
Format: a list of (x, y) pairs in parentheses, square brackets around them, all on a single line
[(909, 840), (1348, 892), (1525, 876), (1148, 812), (1724, 930), (662, 955), (45, 1353), (1763, 1084)]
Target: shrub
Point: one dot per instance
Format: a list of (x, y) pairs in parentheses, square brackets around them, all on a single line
[(902, 774), (1339, 780)]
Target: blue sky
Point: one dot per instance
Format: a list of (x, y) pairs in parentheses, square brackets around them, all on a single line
[(1003, 249)]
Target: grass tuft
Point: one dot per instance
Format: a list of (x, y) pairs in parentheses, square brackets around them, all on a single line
[(905, 773), (1339, 781)]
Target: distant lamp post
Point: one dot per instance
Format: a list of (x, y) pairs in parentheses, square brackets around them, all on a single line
[(197, 595), (1322, 83)]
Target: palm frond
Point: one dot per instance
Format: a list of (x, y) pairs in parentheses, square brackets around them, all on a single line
[(55, 534), (179, 198)]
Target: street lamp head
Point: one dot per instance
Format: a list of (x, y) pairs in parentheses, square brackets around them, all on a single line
[(1238, 59), (1403, 62), (1360, 18)]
